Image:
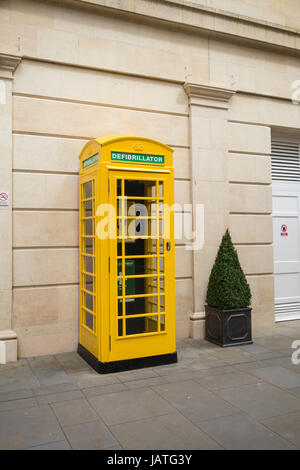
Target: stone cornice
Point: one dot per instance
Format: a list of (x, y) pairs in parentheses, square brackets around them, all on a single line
[(207, 19), (229, 14), (8, 64), (203, 95)]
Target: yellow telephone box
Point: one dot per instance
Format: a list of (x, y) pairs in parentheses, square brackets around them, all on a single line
[(126, 251)]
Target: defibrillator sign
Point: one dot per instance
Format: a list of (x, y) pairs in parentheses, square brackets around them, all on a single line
[(90, 161), (137, 158)]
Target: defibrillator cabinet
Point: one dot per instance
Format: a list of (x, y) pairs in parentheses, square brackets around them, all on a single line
[(126, 254)]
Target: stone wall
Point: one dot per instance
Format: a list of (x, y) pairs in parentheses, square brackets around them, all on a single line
[(91, 71)]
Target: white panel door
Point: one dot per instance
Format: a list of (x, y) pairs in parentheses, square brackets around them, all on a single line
[(286, 237)]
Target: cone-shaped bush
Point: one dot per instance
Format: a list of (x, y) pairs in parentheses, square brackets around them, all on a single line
[(227, 286)]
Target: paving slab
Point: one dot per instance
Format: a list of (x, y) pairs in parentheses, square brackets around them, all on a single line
[(228, 380), (171, 369), (224, 369), (232, 355), (29, 427), (61, 445), (261, 400), (261, 363), (42, 362), (278, 375), (286, 352), (294, 367), (55, 388), (287, 426), (262, 356), (254, 349), (295, 392), (194, 401), (144, 383), (172, 431), (128, 406), (90, 436), (16, 394), (14, 385), (284, 361), (16, 404), (131, 375), (203, 345), (86, 379), (275, 343), (240, 432), (51, 376), (73, 412), (23, 372), (182, 376), (20, 363), (189, 354), (72, 362), (59, 397), (206, 365), (104, 389)]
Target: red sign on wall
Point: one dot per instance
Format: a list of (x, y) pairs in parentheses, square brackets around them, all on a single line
[(4, 198), (284, 231)]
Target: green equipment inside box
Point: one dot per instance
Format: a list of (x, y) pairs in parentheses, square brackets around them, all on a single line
[(129, 283)]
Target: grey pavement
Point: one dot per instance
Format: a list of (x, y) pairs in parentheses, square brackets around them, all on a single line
[(235, 398)]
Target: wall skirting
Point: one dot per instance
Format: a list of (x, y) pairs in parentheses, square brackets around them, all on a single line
[(197, 325)]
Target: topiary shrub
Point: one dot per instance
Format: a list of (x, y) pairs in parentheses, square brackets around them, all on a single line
[(227, 286)]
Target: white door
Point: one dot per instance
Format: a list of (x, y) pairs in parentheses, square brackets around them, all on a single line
[(286, 229)]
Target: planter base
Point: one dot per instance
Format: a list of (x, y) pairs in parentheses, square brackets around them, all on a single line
[(228, 327)]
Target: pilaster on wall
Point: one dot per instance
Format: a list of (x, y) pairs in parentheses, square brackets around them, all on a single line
[(8, 64), (208, 113), (250, 207)]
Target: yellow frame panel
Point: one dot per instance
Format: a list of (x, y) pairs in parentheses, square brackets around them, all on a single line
[(152, 343)]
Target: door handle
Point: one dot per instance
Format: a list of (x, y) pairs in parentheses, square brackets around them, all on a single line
[(168, 246)]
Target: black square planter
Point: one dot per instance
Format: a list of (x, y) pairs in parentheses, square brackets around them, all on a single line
[(228, 327)]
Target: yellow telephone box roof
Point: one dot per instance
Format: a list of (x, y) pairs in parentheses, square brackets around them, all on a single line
[(117, 138), (129, 149)]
